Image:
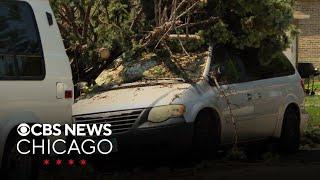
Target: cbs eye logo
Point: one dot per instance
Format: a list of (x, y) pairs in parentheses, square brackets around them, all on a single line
[(23, 130)]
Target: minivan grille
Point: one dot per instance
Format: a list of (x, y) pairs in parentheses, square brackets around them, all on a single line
[(121, 121)]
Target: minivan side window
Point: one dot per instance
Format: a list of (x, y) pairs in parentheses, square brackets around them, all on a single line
[(228, 69), (21, 56), (278, 66)]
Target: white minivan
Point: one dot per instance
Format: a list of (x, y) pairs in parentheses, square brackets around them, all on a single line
[(188, 109), (35, 77)]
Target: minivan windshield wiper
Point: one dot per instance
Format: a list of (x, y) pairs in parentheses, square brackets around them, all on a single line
[(165, 79), (143, 82)]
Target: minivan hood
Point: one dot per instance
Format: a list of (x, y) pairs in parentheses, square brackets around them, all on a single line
[(130, 98)]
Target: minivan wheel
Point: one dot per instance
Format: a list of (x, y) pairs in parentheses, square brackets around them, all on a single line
[(290, 135), (17, 166), (206, 138)]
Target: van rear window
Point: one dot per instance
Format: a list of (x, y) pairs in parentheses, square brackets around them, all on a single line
[(21, 56)]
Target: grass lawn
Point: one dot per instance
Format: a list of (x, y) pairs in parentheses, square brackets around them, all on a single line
[(316, 84), (312, 134), (313, 108)]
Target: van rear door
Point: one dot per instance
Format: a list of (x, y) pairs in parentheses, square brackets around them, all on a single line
[(58, 71), (35, 74)]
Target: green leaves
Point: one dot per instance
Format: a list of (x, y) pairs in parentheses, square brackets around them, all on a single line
[(218, 33), (117, 12), (248, 23)]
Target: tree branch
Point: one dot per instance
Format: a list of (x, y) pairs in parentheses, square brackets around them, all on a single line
[(87, 21), (201, 23)]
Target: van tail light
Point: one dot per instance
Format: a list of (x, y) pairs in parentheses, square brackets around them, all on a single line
[(302, 84), (68, 94)]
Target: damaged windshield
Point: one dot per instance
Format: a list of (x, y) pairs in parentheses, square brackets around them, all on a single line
[(151, 67)]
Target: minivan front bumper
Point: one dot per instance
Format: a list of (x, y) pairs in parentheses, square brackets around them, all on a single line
[(174, 135)]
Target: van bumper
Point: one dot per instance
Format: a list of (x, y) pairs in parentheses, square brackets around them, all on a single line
[(173, 135)]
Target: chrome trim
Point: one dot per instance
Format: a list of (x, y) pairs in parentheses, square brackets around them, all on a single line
[(121, 121)]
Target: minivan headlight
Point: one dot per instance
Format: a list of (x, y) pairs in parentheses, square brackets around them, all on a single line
[(164, 113)]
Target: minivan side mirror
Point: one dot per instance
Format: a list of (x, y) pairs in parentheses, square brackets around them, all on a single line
[(211, 80), (216, 72)]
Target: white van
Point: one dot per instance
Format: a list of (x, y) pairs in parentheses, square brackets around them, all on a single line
[(266, 100), (35, 75)]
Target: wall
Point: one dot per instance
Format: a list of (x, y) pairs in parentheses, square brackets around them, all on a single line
[(309, 38)]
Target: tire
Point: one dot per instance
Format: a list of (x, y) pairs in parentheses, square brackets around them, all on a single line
[(290, 135), (17, 166), (206, 139)]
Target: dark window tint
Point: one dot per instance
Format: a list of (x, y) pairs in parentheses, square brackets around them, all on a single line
[(7, 67), (20, 46), (257, 69), (280, 66), (228, 69), (29, 66)]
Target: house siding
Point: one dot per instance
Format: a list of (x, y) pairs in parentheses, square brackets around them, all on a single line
[(309, 37)]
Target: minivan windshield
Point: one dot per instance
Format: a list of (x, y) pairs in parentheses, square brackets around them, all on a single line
[(152, 68)]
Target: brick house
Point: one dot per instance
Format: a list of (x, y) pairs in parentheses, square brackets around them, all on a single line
[(307, 17)]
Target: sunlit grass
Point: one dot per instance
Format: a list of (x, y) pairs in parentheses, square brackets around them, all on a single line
[(313, 108)]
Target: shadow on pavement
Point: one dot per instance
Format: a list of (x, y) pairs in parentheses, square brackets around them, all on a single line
[(304, 164)]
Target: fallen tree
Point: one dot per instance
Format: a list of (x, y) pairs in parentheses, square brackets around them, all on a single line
[(148, 35), (131, 28)]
